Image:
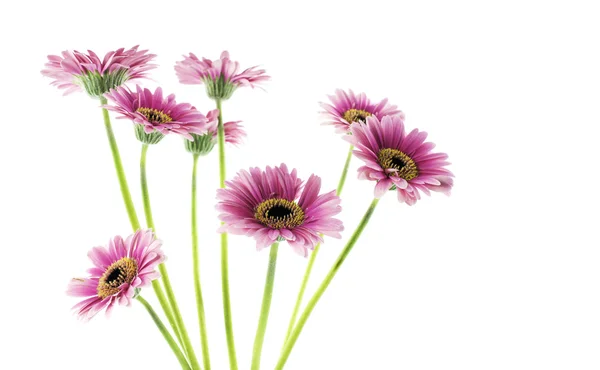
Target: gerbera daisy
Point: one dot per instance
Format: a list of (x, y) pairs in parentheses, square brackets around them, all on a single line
[(397, 160), (203, 144), (221, 76), (74, 70), (154, 114), (347, 108), (119, 271), (273, 205)]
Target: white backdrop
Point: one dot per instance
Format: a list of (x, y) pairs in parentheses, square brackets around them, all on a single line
[(501, 275)]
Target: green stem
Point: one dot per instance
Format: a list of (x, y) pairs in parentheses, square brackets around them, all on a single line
[(264, 310), (224, 251), (324, 284), (342, 181), (196, 262), (164, 304), (135, 223), (165, 333), (315, 252), (180, 326)]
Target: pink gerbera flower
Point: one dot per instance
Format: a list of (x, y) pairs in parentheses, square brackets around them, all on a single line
[(347, 108), (273, 205), (221, 76), (397, 160), (153, 113), (74, 70), (119, 272), (203, 144)]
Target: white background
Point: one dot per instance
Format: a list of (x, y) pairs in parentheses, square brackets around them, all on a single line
[(503, 274)]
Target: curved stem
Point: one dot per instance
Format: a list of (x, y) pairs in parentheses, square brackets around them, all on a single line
[(264, 310), (196, 262), (164, 304), (135, 223), (187, 345), (163, 330), (342, 181), (224, 251), (324, 284), (315, 252)]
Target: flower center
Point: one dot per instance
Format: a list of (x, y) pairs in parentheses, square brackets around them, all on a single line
[(279, 213), (402, 164), (356, 115), (120, 272), (154, 115)]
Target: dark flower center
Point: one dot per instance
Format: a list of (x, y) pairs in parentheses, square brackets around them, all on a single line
[(121, 272), (155, 115), (279, 213), (356, 115), (396, 160)]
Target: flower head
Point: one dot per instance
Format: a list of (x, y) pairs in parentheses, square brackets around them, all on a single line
[(347, 108), (203, 144), (119, 271), (156, 115), (397, 160), (74, 70), (274, 205), (221, 76)]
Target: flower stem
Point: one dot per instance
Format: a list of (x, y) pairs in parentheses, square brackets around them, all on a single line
[(264, 310), (187, 345), (135, 223), (315, 252), (196, 262), (133, 219), (324, 284), (224, 251), (163, 330)]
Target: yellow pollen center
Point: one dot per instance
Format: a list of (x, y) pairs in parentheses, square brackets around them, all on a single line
[(154, 115), (120, 272), (393, 159), (279, 213), (356, 115)]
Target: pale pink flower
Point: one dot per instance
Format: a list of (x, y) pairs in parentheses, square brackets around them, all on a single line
[(221, 76), (74, 70), (347, 108)]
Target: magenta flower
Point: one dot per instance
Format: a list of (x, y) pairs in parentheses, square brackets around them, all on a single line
[(119, 272), (154, 113), (397, 160), (273, 205), (74, 70), (221, 76), (347, 108), (203, 144)]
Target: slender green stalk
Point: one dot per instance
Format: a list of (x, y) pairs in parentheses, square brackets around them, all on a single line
[(324, 284), (196, 262), (224, 251), (135, 223), (163, 330), (344, 171), (164, 304), (264, 310), (315, 252), (187, 345)]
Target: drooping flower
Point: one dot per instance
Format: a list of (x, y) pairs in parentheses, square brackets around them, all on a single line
[(203, 144), (75, 70), (399, 161), (347, 108), (155, 115), (274, 205), (221, 76), (119, 271)]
